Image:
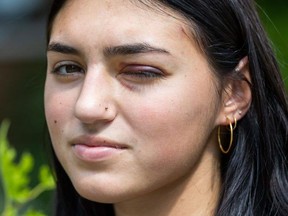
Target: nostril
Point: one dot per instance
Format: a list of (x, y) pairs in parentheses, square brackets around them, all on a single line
[(95, 101), (90, 113)]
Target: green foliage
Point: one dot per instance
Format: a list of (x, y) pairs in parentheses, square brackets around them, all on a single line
[(15, 179), (274, 17)]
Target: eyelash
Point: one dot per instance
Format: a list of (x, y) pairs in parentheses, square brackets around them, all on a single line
[(76, 69), (143, 72), (131, 73)]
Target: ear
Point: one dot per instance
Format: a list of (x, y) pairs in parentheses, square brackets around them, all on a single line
[(236, 95)]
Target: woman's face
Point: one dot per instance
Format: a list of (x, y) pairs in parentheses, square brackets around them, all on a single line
[(130, 100)]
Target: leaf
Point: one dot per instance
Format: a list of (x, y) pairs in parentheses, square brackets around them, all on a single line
[(10, 211), (4, 143), (26, 163), (46, 178), (15, 177), (32, 212)]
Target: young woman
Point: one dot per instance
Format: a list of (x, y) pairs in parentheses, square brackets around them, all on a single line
[(165, 108)]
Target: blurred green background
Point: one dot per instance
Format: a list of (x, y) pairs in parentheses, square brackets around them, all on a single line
[(22, 70)]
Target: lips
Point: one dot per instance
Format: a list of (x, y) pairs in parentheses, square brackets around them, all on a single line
[(91, 148)]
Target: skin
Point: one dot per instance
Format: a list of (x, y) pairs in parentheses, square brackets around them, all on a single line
[(167, 121)]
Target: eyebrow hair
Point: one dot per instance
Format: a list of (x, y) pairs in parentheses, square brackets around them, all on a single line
[(129, 49), (62, 48), (126, 49)]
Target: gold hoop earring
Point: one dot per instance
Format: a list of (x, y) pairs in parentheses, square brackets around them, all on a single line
[(232, 128), (235, 123)]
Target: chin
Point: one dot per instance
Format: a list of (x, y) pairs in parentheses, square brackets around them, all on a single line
[(102, 196), (101, 193)]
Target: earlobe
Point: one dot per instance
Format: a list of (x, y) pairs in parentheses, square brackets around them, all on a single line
[(236, 96)]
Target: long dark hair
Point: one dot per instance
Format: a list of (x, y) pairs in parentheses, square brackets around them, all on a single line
[(255, 172)]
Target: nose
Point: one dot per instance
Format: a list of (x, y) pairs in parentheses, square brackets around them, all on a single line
[(95, 102)]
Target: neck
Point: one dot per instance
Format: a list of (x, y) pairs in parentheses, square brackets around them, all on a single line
[(195, 194)]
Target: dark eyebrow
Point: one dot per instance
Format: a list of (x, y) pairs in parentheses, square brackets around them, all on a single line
[(126, 49), (61, 48), (129, 49)]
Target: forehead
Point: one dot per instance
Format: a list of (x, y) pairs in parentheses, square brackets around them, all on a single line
[(114, 18), (91, 26), (118, 7)]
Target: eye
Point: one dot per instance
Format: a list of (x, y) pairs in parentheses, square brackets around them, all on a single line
[(139, 73), (68, 69)]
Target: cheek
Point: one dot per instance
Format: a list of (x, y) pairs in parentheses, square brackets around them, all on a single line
[(174, 129), (54, 115), (58, 109), (170, 141), (57, 106), (54, 111), (172, 112)]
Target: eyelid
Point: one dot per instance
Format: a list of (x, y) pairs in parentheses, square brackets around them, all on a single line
[(136, 76), (58, 65), (142, 68)]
